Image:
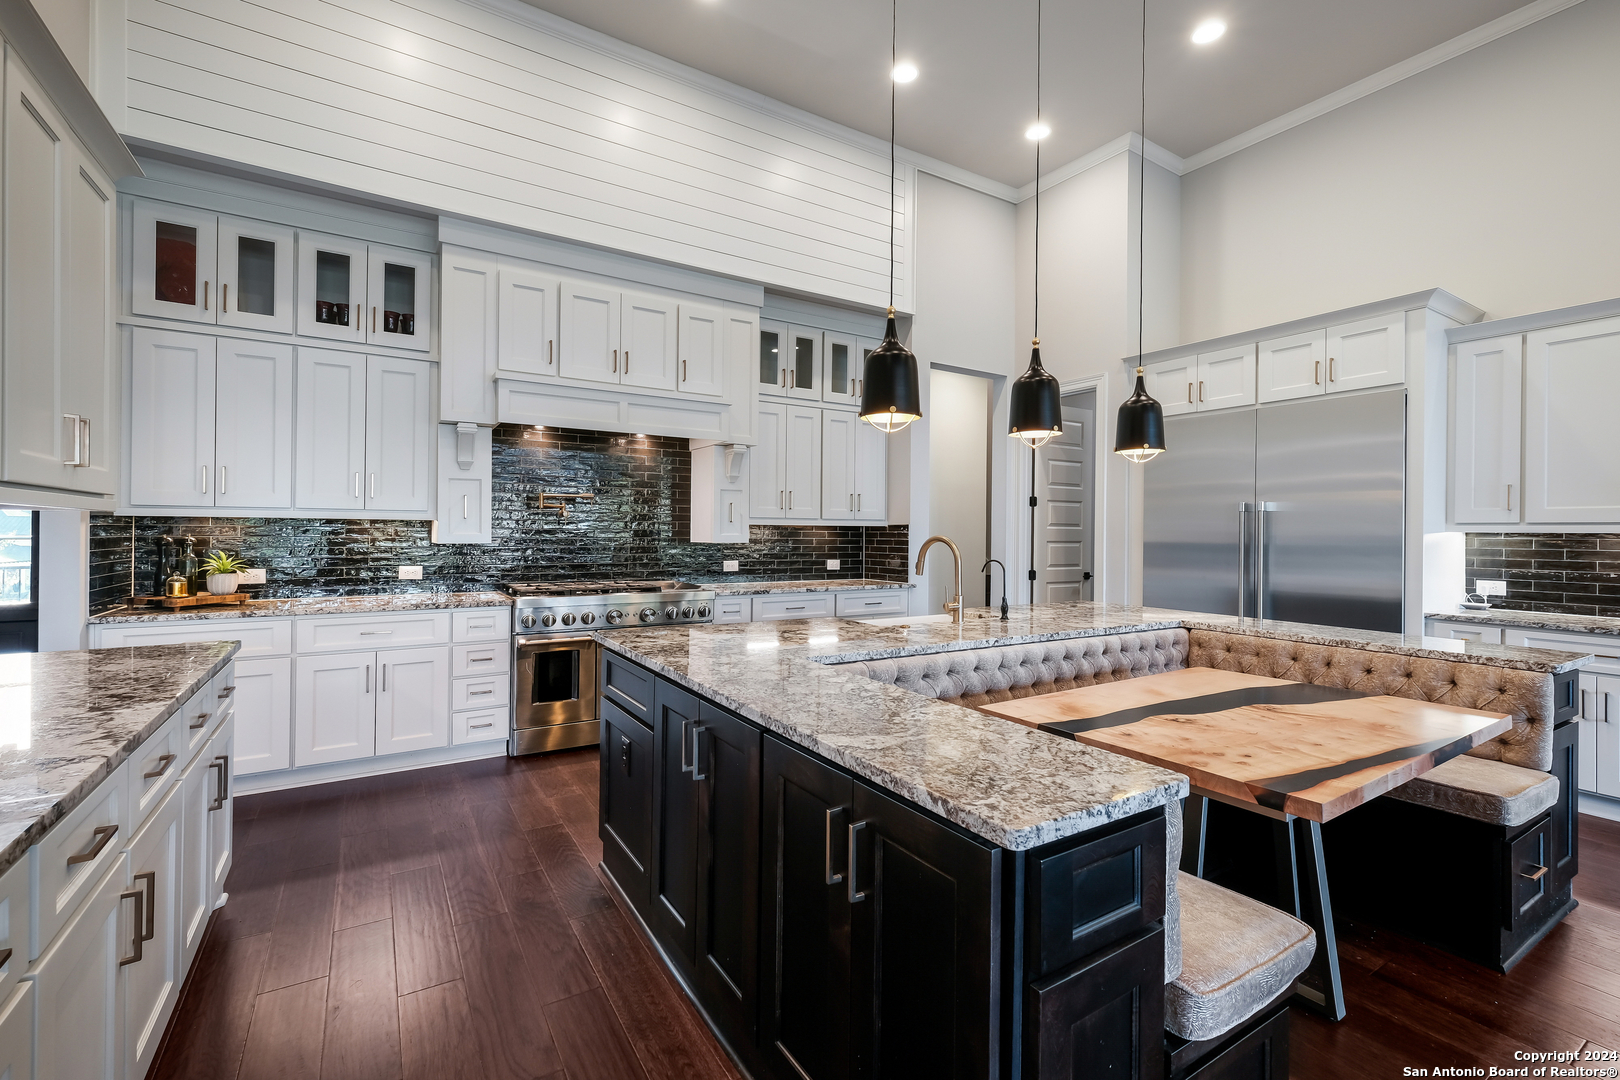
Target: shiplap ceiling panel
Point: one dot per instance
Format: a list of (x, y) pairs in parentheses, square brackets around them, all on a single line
[(453, 108)]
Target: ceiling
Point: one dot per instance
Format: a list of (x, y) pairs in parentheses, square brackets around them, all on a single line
[(976, 93)]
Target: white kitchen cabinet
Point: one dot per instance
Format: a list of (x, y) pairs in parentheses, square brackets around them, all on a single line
[(151, 984), (1291, 367), (401, 437), (484, 725), (78, 990), (412, 690), (1226, 378), (734, 609), (772, 374), (263, 715), (256, 275), (1486, 439), (1368, 353), (1489, 635), (67, 862), (648, 337), (588, 329), (767, 466), (774, 607), (838, 464), (220, 753), (466, 480), (1600, 734), (720, 494), (702, 350), (331, 427), (399, 291), (332, 275), (199, 784), (804, 374), (17, 1034), (253, 424), (843, 360), (91, 386), (175, 269), (171, 419), (528, 321), (1174, 384), (467, 353), (871, 473), (1571, 381), (336, 707), (801, 462)]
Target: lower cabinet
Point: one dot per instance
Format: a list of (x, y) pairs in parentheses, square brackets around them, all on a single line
[(356, 705), (79, 990), (626, 794), (206, 812), (413, 686), (17, 1033), (1102, 1018), (153, 972), (264, 714)]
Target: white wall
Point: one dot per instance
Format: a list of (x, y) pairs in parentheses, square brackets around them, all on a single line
[(959, 465), (69, 22), (1491, 175), (64, 579)]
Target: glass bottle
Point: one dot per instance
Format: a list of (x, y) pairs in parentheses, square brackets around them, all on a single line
[(165, 565), (188, 565)]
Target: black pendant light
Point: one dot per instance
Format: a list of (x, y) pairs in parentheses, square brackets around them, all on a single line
[(1139, 429), (891, 394), (1035, 412)]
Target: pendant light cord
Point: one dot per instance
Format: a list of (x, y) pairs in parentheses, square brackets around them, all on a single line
[(894, 59), (1037, 334), (1141, 203)]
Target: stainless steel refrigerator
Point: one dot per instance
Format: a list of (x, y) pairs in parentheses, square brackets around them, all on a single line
[(1293, 511)]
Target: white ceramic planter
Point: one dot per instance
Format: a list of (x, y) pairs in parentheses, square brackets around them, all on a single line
[(222, 584)]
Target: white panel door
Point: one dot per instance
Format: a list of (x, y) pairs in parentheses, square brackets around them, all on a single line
[(1174, 383), (1486, 440), (331, 420), (467, 350), (702, 350), (198, 786), (767, 478), (399, 289), (465, 499), (838, 464), (803, 360), (91, 382), (17, 1034), (588, 332), (1291, 367), (648, 338), (152, 983), (1226, 378), (772, 371), (871, 473), (171, 419), (253, 431), (331, 287), (801, 463), (263, 715), (256, 275), (221, 749), (413, 700), (842, 357), (401, 437), (1571, 382), (1600, 734), (528, 332), (1590, 719), (336, 708), (175, 272), (1368, 353), (80, 1033)]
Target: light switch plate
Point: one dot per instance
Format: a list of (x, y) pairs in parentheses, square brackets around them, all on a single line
[(730, 566), (833, 564), (1488, 587), (252, 577), (410, 573)]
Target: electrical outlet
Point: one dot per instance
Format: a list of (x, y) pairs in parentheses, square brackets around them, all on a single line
[(832, 564), (1490, 588), (730, 566), (410, 573), (252, 577)]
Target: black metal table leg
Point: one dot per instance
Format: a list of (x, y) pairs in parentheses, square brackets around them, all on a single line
[(1194, 820), (1320, 985)]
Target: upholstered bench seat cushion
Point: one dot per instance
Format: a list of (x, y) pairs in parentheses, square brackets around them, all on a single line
[(1489, 791), (1237, 956)]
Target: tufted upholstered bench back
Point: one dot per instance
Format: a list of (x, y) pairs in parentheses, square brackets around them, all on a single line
[(1527, 695)]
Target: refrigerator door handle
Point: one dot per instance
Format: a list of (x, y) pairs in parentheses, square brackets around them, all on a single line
[(1260, 586), (1243, 559)]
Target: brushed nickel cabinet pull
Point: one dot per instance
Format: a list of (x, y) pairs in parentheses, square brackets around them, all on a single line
[(1331, 376), (225, 298), (100, 838), (793, 379), (163, 766), (1200, 389), (202, 718), (368, 678), (205, 296), (683, 371), (790, 498), (731, 512), (150, 931), (858, 496), (205, 479), (856, 895), (1540, 870), (385, 679), (832, 878), (627, 361), (550, 349), (1189, 394), (374, 633), (1317, 377), (480, 660), (135, 938), (221, 789), (479, 693), (464, 504), (227, 692), (78, 449), (373, 318), (222, 479), (615, 361), (1510, 497), (781, 500), (784, 377), (373, 485), (357, 485), (84, 425), (475, 727)]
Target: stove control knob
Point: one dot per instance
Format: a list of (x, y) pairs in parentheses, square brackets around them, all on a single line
[(686, 612), (649, 614), (703, 611), (672, 614), (568, 619), (528, 621), (615, 616), (548, 619), (587, 617)]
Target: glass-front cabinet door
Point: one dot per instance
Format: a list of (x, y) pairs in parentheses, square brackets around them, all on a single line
[(804, 363), (773, 364), (174, 272), (331, 287), (843, 361), (256, 275), (400, 298)]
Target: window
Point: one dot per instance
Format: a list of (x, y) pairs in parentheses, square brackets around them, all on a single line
[(19, 580)]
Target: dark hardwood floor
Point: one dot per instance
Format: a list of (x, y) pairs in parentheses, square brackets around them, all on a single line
[(449, 923)]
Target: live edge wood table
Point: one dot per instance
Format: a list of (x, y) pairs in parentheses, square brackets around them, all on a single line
[(1297, 753)]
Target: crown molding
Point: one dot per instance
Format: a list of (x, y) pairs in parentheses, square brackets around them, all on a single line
[(1130, 142)]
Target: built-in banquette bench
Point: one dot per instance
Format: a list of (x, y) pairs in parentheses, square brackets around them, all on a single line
[(1477, 856)]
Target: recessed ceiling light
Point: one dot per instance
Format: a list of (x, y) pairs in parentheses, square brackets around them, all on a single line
[(1037, 131), (905, 71), (1207, 31)]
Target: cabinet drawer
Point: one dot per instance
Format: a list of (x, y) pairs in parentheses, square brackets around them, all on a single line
[(1096, 893), (1490, 635), (734, 609), (482, 693), (482, 624), (793, 606), (345, 634), (13, 926), (1530, 863), (259, 637), (628, 685), (155, 766), (867, 602), (482, 726), (202, 714), (92, 836), (481, 659), (1109, 1009)]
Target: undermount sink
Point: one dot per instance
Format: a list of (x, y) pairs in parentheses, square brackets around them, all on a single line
[(907, 620)]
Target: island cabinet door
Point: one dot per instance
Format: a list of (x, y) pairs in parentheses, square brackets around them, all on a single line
[(924, 933), (674, 902), (725, 766), (1102, 1018), (627, 766), (804, 969)]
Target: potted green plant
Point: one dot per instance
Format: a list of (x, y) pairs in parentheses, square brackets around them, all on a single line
[(224, 571)]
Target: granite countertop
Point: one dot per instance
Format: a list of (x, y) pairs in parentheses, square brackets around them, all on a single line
[(68, 719), (310, 605), (1534, 620), (755, 588)]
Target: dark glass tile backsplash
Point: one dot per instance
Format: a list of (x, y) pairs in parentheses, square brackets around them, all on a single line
[(1570, 573), (635, 527)]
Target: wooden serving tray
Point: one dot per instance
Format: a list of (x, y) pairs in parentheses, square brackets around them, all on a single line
[(200, 600)]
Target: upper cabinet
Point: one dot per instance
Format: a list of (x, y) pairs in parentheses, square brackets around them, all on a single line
[(201, 267), (1486, 448), (1571, 381), (1354, 356), (366, 440), (795, 354), (1212, 380), (352, 291), (1291, 367)]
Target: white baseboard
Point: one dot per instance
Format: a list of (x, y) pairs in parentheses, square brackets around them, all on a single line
[(281, 779), (1600, 806)]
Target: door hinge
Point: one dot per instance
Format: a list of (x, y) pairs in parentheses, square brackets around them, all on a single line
[(1032, 500), (1032, 575)]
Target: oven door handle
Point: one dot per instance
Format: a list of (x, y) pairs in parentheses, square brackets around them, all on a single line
[(552, 643)]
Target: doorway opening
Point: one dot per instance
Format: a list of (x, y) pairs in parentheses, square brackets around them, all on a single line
[(19, 581), (959, 429), (1063, 513)]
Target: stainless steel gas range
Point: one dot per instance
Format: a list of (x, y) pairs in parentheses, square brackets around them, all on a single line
[(554, 655)]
